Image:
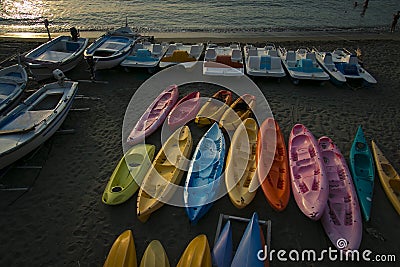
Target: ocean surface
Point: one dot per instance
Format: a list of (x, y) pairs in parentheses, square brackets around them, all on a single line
[(197, 15)]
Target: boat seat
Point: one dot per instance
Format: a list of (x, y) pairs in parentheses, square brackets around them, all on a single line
[(302, 51), (143, 53), (234, 46), (138, 46), (328, 59), (53, 56), (311, 56), (72, 46), (307, 65), (253, 52), (353, 60), (211, 54), (273, 53), (254, 62), (157, 48), (171, 49), (236, 55), (265, 63), (269, 47), (194, 51), (146, 43), (275, 63), (291, 58)]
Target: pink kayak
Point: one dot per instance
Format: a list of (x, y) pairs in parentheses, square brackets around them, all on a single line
[(342, 217), (184, 111), (309, 183), (154, 116)]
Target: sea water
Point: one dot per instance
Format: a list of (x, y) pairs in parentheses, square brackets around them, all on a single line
[(197, 15)]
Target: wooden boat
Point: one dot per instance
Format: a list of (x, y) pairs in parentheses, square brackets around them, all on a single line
[(13, 81), (223, 61), (63, 53), (145, 55), (109, 50), (251, 243), (196, 254), (301, 65), (154, 256), (180, 53), (166, 171), (307, 170), (363, 172), (390, 179), (241, 166), (214, 108), (348, 65), (342, 217), (128, 174), (263, 61), (154, 115), (202, 182), (122, 252), (240, 110), (223, 248), (35, 120), (325, 59), (184, 111), (273, 168)]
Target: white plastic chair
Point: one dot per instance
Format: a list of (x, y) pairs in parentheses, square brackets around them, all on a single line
[(236, 55), (254, 62)]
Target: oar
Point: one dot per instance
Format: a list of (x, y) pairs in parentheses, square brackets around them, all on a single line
[(17, 131)]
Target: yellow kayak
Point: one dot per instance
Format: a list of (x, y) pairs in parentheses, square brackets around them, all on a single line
[(214, 108), (168, 168), (390, 179), (154, 256), (240, 110), (196, 254), (122, 185), (122, 252), (241, 165)]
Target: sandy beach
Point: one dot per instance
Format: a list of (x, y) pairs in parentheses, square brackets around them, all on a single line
[(61, 221)]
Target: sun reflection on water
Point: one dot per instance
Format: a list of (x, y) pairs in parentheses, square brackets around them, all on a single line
[(22, 9)]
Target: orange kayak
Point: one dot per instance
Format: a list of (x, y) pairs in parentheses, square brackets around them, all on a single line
[(273, 167)]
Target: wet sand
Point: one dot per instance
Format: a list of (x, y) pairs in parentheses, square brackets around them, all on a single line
[(61, 221)]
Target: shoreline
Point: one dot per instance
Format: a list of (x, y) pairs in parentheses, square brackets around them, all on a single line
[(242, 37)]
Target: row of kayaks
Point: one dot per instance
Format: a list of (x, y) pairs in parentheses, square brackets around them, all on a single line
[(127, 48), (197, 252), (26, 125)]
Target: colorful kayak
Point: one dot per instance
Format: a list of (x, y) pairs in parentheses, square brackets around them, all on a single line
[(184, 111), (309, 182), (363, 171), (240, 110), (154, 116), (202, 182), (154, 256), (249, 246), (212, 110), (167, 170), (122, 252), (390, 179), (196, 254), (342, 216), (273, 167), (240, 170), (223, 248), (129, 172)]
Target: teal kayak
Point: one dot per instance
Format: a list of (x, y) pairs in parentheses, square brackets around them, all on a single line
[(363, 171)]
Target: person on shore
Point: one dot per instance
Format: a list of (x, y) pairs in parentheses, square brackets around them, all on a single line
[(366, 4), (355, 4), (395, 20)]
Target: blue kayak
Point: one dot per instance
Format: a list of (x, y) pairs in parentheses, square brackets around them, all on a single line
[(203, 179), (223, 248), (249, 246), (363, 171)]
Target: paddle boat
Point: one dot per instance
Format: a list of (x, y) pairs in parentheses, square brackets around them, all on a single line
[(205, 170), (301, 65), (263, 61), (63, 53), (180, 53), (325, 59), (109, 50), (13, 81), (223, 61), (349, 66), (145, 55), (35, 120)]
